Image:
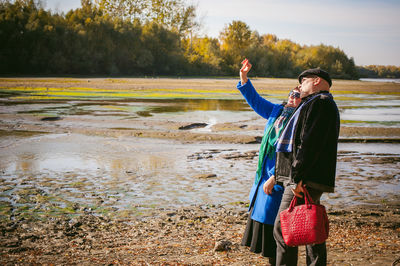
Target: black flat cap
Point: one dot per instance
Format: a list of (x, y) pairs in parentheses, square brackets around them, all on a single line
[(316, 72)]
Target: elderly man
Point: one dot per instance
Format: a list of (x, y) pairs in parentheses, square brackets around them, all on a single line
[(306, 155)]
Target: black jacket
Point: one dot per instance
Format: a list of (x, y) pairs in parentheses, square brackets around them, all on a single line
[(313, 158)]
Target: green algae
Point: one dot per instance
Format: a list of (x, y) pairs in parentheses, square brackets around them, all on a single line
[(77, 184), (67, 93), (44, 93)]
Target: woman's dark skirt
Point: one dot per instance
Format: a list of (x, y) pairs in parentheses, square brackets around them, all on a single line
[(259, 237)]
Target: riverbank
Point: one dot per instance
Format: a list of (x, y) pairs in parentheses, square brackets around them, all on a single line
[(157, 171), (154, 107)]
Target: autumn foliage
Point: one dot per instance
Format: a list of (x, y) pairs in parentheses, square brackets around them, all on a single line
[(131, 37)]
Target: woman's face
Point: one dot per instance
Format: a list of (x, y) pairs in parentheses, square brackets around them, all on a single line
[(294, 98)]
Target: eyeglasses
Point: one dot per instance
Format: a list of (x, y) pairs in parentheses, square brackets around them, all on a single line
[(294, 94)]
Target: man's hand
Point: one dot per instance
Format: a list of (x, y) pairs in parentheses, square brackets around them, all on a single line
[(269, 185), (246, 66), (298, 189)]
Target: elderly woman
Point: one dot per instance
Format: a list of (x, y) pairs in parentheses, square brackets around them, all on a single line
[(265, 195)]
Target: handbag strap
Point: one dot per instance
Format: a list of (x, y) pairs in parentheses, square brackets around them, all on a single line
[(309, 201), (293, 203), (307, 198)]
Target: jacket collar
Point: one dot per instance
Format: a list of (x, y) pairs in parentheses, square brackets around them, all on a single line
[(312, 95)]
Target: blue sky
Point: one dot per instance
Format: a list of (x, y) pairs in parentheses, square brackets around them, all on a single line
[(367, 30)]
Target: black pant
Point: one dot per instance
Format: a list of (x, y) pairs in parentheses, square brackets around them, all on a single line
[(285, 255)]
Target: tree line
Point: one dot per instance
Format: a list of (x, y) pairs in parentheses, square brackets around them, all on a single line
[(151, 37), (373, 71)]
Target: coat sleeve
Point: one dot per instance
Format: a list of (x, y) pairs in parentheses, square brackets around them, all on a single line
[(319, 127), (260, 105), (271, 171)]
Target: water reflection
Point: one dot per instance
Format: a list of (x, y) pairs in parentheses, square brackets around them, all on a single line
[(177, 105), (116, 174), (377, 115), (363, 109), (26, 163)]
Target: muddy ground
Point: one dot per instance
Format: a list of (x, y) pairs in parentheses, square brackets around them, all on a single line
[(207, 235), (368, 234)]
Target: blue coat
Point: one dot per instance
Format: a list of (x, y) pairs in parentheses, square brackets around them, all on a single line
[(258, 199)]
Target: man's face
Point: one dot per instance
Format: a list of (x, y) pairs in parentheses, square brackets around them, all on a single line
[(306, 86)]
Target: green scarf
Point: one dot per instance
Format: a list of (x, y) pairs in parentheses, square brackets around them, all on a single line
[(270, 137)]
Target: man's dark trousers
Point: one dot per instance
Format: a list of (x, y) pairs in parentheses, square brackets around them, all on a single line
[(285, 255)]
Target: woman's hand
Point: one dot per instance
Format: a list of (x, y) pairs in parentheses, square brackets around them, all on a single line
[(246, 66), (269, 185)]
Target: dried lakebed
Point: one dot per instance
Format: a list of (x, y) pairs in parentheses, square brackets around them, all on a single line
[(188, 236), (100, 179)]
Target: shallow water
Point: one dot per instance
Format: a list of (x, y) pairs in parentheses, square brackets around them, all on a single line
[(71, 173), (369, 109), (355, 109), (49, 174), (380, 80)]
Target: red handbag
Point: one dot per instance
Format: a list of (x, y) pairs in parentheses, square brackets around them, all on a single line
[(304, 224)]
